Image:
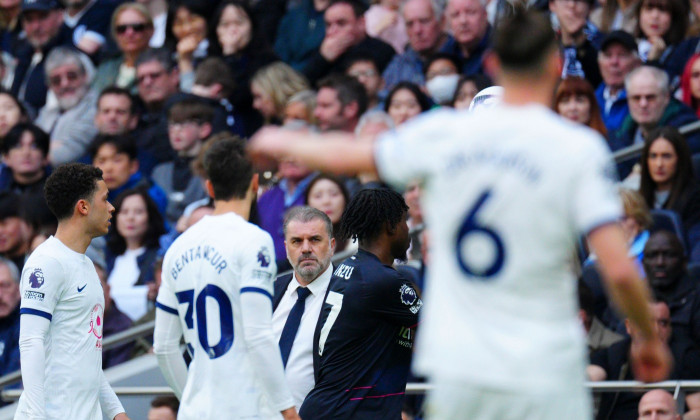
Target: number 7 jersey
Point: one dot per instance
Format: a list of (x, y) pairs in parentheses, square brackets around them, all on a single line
[(204, 273), (506, 193)]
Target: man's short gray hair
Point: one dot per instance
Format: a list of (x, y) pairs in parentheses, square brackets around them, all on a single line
[(438, 7), (306, 214), (660, 76), (61, 56), (11, 267), (374, 116)]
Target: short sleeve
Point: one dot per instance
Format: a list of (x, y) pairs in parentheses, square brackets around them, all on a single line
[(42, 284), (258, 268), (166, 299), (400, 155), (395, 299), (595, 193)]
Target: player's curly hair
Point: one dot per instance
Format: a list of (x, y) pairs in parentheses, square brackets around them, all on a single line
[(369, 212), (69, 183), (227, 167)]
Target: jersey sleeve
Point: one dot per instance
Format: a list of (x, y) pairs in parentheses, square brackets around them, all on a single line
[(42, 284), (595, 196), (395, 299), (400, 155), (258, 268), (166, 299)]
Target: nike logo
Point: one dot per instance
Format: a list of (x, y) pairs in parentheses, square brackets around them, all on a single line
[(80, 289)]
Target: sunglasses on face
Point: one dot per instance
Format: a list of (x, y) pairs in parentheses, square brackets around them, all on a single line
[(136, 27), (71, 76)]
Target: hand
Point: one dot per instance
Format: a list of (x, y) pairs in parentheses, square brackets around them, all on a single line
[(658, 46), (333, 47), (290, 414), (651, 360), (186, 46), (387, 21), (121, 416)]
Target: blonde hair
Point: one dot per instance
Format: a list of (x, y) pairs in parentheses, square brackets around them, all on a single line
[(636, 207), (137, 7), (280, 82)]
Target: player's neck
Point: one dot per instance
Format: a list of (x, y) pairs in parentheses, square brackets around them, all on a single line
[(379, 250), (239, 206), (72, 236), (520, 92)]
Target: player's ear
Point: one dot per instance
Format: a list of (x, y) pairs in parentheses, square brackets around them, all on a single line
[(210, 188), (82, 207), (254, 183)]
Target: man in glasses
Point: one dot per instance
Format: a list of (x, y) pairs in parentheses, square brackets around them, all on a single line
[(70, 122), (41, 21)]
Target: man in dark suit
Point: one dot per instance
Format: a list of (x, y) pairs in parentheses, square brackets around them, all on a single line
[(308, 239)]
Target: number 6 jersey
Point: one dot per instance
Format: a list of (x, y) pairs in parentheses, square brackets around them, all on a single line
[(506, 192), (205, 273)]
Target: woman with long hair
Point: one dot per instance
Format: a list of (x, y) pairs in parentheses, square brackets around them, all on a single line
[(405, 101), (328, 194), (575, 100)]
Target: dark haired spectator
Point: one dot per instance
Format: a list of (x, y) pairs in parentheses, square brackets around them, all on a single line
[(442, 77), (616, 58), (9, 317), (575, 100), (87, 24), (340, 102), (12, 111), (467, 88), (117, 112), (345, 36), (300, 33), (164, 408), (328, 194), (131, 28), (15, 232), (214, 84), (132, 247), (187, 32), (189, 125), (272, 86), (424, 22), (470, 29), (70, 124), (579, 44), (598, 335), (365, 69), (116, 156), (235, 37), (41, 21), (405, 101)]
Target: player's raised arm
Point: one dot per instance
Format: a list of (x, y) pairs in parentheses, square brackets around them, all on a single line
[(651, 361)]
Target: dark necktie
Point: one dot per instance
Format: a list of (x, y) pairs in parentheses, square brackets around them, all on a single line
[(292, 325)]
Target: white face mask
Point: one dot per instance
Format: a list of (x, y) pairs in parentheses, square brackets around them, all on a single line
[(442, 88)]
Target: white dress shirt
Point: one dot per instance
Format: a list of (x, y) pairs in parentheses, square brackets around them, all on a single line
[(300, 366)]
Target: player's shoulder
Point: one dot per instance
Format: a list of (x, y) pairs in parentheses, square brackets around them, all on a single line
[(43, 263)]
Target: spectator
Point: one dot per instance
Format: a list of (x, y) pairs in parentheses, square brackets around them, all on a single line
[(340, 102), (116, 112), (651, 106), (598, 336), (384, 21), (310, 245), (41, 21), (158, 81), (471, 31), (189, 125), (87, 23), (424, 22), (575, 100), (345, 36), (579, 46), (616, 58), (188, 24), (441, 77), (15, 232), (238, 42), (272, 86), (667, 180), (467, 88), (328, 194), (164, 408), (11, 112), (116, 156), (300, 107), (132, 27), (616, 15), (132, 246), (405, 101), (9, 317), (70, 124), (213, 84), (658, 404), (10, 28), (690, 84), (365, 69), (300, 33)]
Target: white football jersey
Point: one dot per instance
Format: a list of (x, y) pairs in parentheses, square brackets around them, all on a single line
[(62, 286), (204, 273), (507, 192)]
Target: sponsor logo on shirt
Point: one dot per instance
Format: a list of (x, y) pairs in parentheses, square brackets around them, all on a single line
[(96, 324), (31, 294), (264, 257), (262, 275), (36, 279)]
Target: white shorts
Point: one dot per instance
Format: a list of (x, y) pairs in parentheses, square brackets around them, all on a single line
[(453, 400)]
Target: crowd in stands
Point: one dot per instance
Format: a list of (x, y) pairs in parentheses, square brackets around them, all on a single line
[(139, 88)]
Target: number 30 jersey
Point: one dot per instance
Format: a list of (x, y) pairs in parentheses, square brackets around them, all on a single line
[(204, 273), (506, 193)]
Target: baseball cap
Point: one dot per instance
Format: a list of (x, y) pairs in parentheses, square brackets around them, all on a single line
[(619, 37), (40, 5)]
